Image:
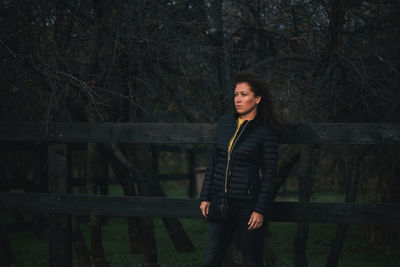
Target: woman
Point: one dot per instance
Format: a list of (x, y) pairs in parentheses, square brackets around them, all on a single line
[(242, 162)]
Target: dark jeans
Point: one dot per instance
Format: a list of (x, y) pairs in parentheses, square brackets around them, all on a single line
[(220, 234)]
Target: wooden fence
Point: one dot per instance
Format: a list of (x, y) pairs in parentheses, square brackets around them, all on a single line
[(60, 205)]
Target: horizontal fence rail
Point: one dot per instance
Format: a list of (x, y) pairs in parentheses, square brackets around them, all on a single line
[(193, 133), (189, 208)]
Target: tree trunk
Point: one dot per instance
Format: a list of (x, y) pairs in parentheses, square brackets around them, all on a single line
[(352, 172), (102, 174), (81, 251), (300, 244), (134, 229), (286, 166), (60, 236), (336, 21), (386, 163), (40, 177), (139, 155), (192, 175), (217, 32), (305, 190), (284, 169), (6, 255), (97, 250), (147, 227), (174, 227), (269, 255), (92, 76)]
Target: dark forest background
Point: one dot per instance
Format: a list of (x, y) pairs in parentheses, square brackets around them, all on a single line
[(164, 61), (174, 61)]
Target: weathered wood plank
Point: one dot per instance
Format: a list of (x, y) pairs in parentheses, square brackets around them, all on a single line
[(20, 226), (80, 181), (189, 208), (196, 133), (178, 148), (172, 177), (183, 133), (341, 133), (8, 184), (26, 131)]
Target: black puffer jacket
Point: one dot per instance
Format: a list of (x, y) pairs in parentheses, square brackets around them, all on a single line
[(251, 167)]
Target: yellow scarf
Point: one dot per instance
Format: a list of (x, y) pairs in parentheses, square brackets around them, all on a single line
[(240, 121)]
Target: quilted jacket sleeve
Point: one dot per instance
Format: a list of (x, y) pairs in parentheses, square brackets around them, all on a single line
[(268, 173), (205, 194)]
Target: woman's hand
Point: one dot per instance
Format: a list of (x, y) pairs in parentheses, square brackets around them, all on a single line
[(204, 206), (256, 220)]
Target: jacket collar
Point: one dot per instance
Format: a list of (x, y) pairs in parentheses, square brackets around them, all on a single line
[(258, 118)]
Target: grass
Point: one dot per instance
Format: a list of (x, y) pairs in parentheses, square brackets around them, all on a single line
[(32, 250)]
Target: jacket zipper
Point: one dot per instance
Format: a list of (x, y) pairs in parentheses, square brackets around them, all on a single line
[(229, 156)]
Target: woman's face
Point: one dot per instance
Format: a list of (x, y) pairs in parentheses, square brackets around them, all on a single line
[(245, 100)]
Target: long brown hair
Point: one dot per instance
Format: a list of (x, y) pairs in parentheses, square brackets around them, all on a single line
[(265, 108)]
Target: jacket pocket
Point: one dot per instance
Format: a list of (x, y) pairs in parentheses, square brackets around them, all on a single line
[(249, 187)]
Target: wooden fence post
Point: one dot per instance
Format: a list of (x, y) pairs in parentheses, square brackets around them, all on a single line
[(60, 246), (305, 191)]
